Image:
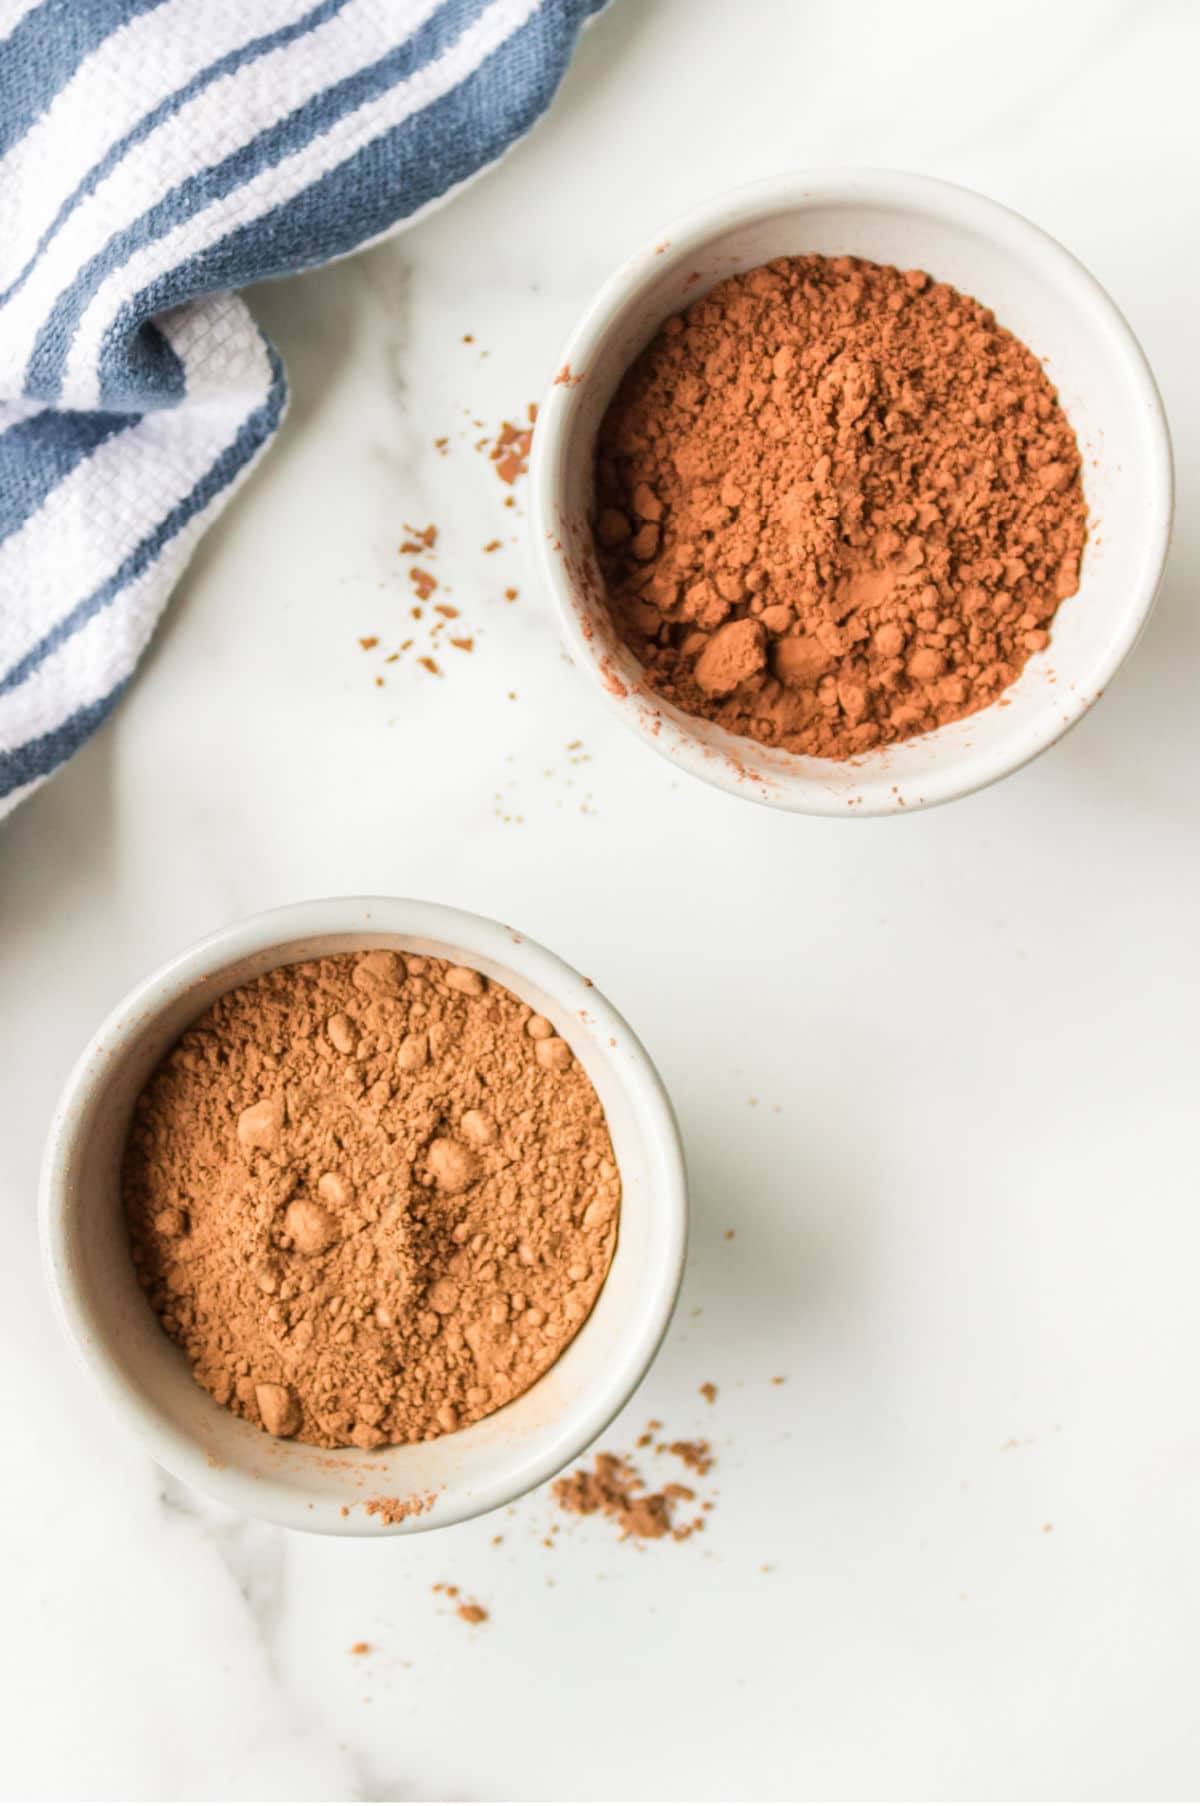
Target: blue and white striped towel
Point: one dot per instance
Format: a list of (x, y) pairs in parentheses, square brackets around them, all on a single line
[(155, 155)]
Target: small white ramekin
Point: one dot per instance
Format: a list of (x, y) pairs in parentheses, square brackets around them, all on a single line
[(1036, 289), (145, 1378)]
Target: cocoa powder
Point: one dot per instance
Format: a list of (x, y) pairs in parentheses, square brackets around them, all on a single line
[(372, 1197), (615, 1488), (837, 505)]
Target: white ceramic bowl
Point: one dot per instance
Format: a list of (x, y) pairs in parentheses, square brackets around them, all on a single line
[(146, 1379), (1036, 289)]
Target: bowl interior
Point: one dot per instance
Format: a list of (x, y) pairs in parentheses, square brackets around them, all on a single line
[(147, 1378), (1040, 293)]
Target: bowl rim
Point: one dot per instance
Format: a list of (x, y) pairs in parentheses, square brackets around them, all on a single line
[(907, 192), (584, 1419)]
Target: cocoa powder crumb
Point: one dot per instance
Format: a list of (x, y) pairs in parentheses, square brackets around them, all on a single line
[(510, 451), (366, 1202), (837, 506), (394, 1511), (423, 538), (709, 1392), (472, 1614), (615, 1488), (360, 1649), (695, 1455), (371, 639)]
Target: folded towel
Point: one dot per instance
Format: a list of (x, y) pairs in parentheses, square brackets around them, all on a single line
[(155, 155)]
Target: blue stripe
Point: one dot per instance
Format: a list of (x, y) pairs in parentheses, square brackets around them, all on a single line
[(418, 160), (43, 376), (225, 65), (153, 370), (36, 454), (254, 431), (39, 757), (46, 49)]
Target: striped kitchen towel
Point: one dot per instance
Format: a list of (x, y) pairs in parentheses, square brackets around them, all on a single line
[(156, 155)]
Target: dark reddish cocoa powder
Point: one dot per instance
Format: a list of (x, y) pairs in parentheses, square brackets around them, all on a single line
[(837, 505)]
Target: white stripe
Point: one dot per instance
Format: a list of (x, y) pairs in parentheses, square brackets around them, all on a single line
[(273, 186), (98, 514), (8, 803), (125, 76), (11, 14), (218, 121)]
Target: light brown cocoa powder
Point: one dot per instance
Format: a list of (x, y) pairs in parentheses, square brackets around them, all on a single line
[(837, 505), (614, 1487), (391, 1510), (372, 1197)]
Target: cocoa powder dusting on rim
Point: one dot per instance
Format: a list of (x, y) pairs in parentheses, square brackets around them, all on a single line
[(837, 505), (372, 1197)]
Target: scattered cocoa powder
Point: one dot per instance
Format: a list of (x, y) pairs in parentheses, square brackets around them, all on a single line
[(695, 1455), (472, 1614), (709, 1392), (423, 538), (394, 1511), (510, 451), (837, 505), (372, 1197), (614, 1487), (360, 1649)]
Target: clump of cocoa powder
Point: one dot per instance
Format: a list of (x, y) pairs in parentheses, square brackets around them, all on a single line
[(615, 1488), (509, 453), (837, 505), (372, 1197), (391, 1510)]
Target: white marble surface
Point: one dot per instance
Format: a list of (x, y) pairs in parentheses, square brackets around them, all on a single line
[(965, 1199)]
